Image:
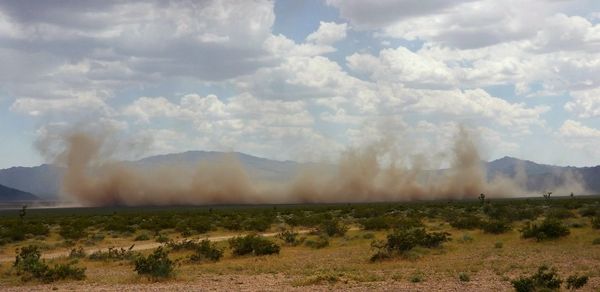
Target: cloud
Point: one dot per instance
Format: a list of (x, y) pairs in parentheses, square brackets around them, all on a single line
[(575, 130), (328, 33), (585, 103)]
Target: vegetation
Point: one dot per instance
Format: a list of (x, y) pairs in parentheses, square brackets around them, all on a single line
[(549, 229), (29, 265), (157, 265), (252, 244)]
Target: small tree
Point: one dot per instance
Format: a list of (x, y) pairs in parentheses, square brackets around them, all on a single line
[(23, 212), (482, 198), (156, 265)]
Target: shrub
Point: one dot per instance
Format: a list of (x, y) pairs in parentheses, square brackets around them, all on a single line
[(289, 237), (156, 265), (206, 250), (576, 282), (375, 223), (333, 228), (495, 226), (596, 241), (596, 222), (498, 244), (320, 242), (77, 253), (464, 277), (113, 253), (402, 241), (465, 222), (28, 263), (142, 237), (254, 244), (72, 231), (162, 238), (548, 229), (544, 279)]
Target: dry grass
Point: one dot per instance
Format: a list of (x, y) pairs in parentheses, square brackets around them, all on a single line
[(344, 264)]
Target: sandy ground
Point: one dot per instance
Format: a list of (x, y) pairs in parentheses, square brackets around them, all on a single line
[(485, 281)]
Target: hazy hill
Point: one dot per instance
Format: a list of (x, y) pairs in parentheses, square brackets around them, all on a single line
[(44, 180), (13, 195)]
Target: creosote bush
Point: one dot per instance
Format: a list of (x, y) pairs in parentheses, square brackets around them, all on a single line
[(333, 228), (115, 254), (289, 237), (320, 242), (401, 241), (156, 265), (252, 244), (576, 282), (495, 226), (549, 229), (29, 265), (544, 279)]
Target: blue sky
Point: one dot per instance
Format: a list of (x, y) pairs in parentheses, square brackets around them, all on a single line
[(302, 80)]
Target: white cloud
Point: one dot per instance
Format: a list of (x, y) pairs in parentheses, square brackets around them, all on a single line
[(575, 130), (585, 103), (328, 33)]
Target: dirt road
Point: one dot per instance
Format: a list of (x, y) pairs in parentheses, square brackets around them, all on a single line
[(138, 246)]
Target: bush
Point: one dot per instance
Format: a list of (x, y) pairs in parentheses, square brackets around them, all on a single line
[(596, 241), (464, 277), (333, 228), (375, 223), (142, 237), (206, 250), (289, 237), (596, 222), (72, 231), (544, 279), (254, 244), (402, 241), (156, 265), (465, 222), (77, 253), (28, 263), (495, 226), (320, 242), (162, 238), (548, 229), (498, 244), (113, 253), (576, 282)]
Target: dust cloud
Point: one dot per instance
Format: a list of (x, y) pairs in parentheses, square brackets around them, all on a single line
[(93, 179)]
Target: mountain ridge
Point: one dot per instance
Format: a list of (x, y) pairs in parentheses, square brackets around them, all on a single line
[(44, 180)]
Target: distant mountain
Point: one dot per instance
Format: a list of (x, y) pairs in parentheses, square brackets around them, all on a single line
[(44, 181), (13, 195)]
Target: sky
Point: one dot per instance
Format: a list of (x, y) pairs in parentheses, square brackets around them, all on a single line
[(303, 80)]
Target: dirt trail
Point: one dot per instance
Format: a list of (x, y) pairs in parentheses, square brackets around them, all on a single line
[(136, 246)]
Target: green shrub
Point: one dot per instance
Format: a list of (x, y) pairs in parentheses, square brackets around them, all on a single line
[(162, 238), (375, 223), (465, 222), (289, 237), (402, 241), (544, 279), (464, 277), (142, 237), (548, 229), (72, 231), (319, 242), (498, 244), (206, 250), (77, 253), (116, 254), (29, 265), (156, 265), (333, 228), (596, 222), (495, 226), (254, 244), (596, 241), (576, 282)]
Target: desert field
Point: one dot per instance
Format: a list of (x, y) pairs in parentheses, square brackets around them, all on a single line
[(478, 245)]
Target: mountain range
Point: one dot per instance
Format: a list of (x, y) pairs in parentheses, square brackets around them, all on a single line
[(44, 181)]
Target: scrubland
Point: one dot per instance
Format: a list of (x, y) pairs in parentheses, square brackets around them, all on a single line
[(497, 244)]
